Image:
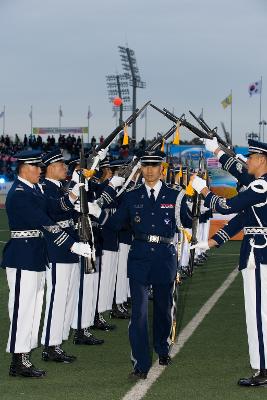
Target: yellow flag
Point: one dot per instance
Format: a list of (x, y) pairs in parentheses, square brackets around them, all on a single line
[(176, 139), (227, 101), (125, 141), (180, 172), (162, 146)]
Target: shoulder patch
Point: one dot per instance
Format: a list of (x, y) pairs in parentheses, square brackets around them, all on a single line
[(19, 187), (259, 186)]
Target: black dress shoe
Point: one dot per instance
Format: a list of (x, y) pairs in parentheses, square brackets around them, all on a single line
[(119, 312), (22, 366), (101, 324), (136, 375), (84, 336), (165, 360), (57, 354), (258, 379)]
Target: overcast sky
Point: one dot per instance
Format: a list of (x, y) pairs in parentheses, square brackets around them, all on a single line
[(190, 53)]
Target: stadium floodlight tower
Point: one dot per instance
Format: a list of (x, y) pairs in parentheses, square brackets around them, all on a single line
[(118, 87), (129, 65)]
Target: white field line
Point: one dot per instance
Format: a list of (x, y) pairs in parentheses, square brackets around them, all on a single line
[(139, 390)]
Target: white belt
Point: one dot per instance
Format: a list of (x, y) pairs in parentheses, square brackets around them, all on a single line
[(26, 234), (255, 230), (66, 224)]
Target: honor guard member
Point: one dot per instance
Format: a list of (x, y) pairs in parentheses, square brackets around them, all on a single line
[(85, 308), (25, 257), (153, 211), (63, 270), (109, 256), (251, 209)]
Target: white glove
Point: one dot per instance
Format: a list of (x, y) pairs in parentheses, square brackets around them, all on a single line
[(94, 209), (202, 245), (117, 181), (211, 144), (75, 176), (76, 189), (102, 154), (77, 206), (82, 249), (198, 183)]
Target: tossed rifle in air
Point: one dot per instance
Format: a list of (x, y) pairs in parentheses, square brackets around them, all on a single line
[(128, 171), (196, 204), (93, 158), (201, 134), (85, 230)]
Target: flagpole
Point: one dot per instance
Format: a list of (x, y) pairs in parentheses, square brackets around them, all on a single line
[(59, 120), (88, 117), (31, 120), (4, 120), (231, 118), (260, 112), (146, 124)]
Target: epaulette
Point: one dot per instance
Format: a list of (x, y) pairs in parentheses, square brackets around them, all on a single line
[(134, 188), (19, 187)]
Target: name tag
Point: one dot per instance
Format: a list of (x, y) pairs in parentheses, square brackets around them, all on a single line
[(167, 205)]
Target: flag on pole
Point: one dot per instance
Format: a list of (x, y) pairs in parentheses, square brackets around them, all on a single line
[(60, 112), (176, 139), (254, 88), (2, 114), (89, 114), (30, 114), (227, 101)]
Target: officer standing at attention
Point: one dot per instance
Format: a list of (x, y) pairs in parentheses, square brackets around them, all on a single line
[(153, 210), (25, 257), (251, 208), (63, 270)]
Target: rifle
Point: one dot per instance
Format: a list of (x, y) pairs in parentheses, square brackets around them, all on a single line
[(225, 145), (127, 171), (226, 134), (85, 230), (195, 217), (207, 134), (93, 158)]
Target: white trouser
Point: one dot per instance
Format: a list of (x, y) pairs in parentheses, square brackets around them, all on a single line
[(26, 292), (185, 251), (107, 280), (199, 238), (122, 281), (206, 230), (61, 297), (255, 293), (86, 301)]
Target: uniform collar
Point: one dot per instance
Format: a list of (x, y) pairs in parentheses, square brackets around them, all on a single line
[(31, 185), (156, 188), (54, 181)]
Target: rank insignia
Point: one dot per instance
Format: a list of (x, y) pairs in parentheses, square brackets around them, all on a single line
[(167, 221)]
